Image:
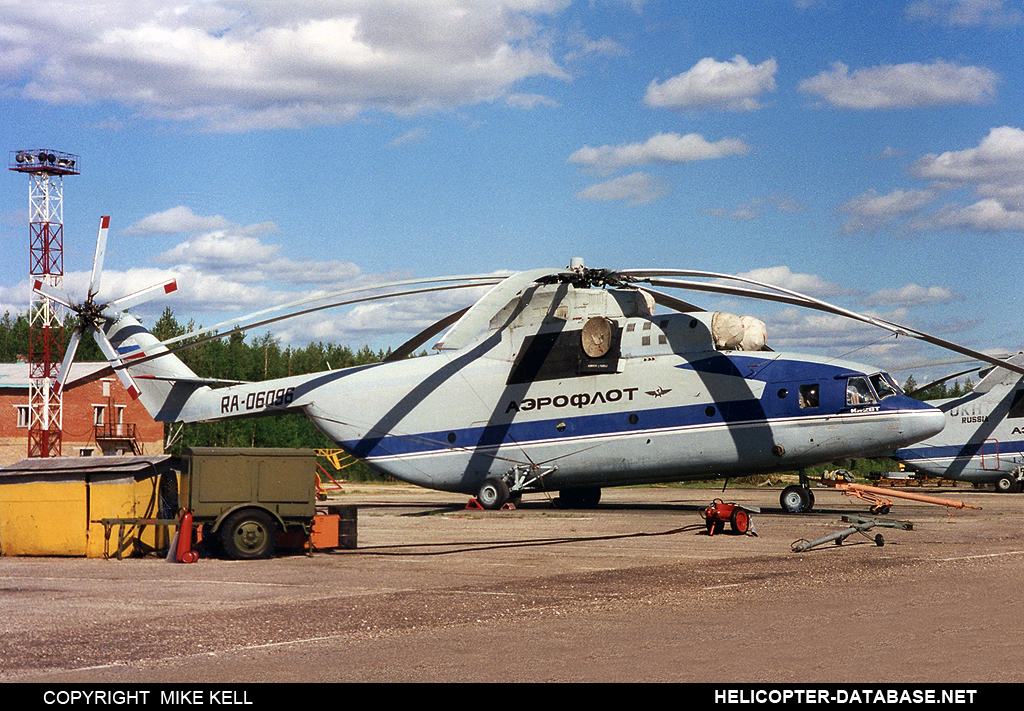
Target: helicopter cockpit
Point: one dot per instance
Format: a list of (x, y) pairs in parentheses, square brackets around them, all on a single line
[(870, 390)]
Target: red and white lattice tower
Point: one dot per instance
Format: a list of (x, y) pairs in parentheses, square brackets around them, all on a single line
[(46, 170)]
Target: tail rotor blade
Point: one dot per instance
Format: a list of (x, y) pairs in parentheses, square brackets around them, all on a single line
[(52, 293), (143, 295), (114, 358), (101, 251), (69, 357)]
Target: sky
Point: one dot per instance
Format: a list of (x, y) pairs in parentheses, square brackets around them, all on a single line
[(867, 154)]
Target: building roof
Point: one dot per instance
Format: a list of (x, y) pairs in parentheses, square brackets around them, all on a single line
[(15, 375), (80, 466)]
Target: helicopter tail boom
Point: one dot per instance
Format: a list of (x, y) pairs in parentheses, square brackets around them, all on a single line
[(166, 384)]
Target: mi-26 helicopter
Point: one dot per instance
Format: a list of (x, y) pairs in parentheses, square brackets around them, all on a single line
[(556, 380)]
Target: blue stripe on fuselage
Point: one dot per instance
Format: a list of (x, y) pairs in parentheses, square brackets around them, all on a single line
[(729, 413), (957, 451), (764, 369)]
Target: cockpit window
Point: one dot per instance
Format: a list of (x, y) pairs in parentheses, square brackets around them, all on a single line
[(884, 385), (858, 392)]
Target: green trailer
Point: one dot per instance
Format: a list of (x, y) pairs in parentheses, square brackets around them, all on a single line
[(244, 497)]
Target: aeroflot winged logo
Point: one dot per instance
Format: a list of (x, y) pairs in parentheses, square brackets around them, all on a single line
[(659, 392)]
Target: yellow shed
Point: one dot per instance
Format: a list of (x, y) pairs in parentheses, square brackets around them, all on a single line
[(55, 506)]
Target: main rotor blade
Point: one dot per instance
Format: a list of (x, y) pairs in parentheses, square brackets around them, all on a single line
[(140, 296), (257, 324), (97, 261), (473, 279), (480, 313), (671, 302), (932, 384), (69, 357), (409, 347), (788, 296)]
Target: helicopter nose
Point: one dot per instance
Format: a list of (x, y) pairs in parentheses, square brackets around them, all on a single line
[(919, 420)]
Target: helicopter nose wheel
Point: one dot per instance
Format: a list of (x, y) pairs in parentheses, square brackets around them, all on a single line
[(493, 494), (797, 499)]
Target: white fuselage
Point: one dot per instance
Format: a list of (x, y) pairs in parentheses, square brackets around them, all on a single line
[(565, 388)]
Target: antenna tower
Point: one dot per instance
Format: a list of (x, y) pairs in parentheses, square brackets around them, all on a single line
[(46, 170)]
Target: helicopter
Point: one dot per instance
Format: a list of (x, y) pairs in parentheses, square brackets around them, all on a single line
[(983, 440), (556, 380)]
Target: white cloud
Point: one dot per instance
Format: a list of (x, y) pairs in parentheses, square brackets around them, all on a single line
[(176, 221), (219, 250), (234, 66), (872, 211), (414, 136), (529, 101), (709, 83), (783, 276), (966, 13), (910, 295), (908, 85), (635, 188), (754, 208), (661, 148), (987, 215), (995, 168)]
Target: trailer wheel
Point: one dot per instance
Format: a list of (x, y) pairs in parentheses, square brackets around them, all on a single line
[(740, 521), (248, 534)]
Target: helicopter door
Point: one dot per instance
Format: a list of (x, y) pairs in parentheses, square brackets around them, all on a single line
[(990, 454)]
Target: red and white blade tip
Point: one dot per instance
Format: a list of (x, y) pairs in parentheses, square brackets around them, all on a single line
[(105, 222), (171, 286)]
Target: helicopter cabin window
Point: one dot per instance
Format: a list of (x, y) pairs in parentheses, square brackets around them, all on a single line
[(858, 392), (809, 396)]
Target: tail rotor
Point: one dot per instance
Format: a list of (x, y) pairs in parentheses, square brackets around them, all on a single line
[(91, 316)]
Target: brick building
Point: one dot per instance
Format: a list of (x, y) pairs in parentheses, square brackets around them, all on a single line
[(99, 417)]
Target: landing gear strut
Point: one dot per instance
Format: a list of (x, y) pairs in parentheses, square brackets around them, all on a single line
[(797, 498)]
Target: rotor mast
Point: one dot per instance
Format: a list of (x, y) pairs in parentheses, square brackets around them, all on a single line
[(46, 170)]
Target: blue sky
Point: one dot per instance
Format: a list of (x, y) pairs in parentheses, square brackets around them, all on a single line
[(870, 154)]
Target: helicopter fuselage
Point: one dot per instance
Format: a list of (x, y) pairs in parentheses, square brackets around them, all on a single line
[(568, 387), (447, 425)]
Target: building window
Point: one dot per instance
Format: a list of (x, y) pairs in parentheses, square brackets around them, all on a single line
[(98, 411), (85, 452), (22, 416)]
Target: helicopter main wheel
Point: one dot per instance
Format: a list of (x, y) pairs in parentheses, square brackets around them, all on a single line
[(796, 499), (248, 534), (1006, 484), (493, 494)]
